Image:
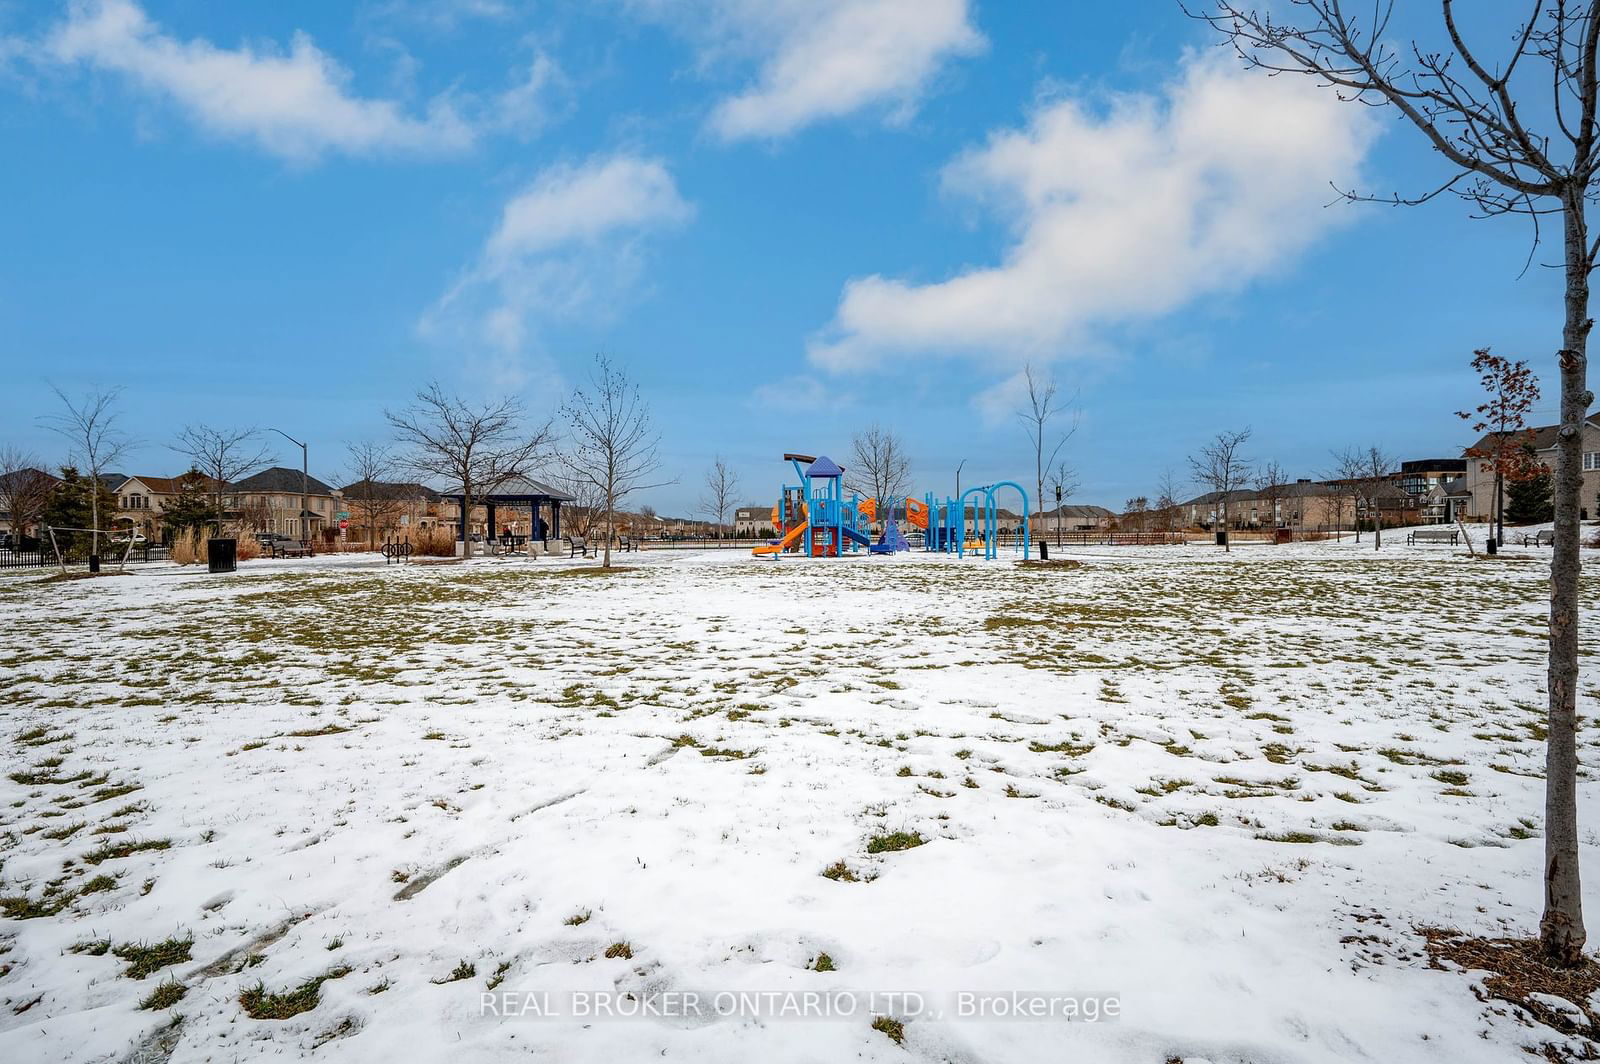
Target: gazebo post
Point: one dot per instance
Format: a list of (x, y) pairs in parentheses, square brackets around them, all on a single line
[(555, 518), (491, 533)]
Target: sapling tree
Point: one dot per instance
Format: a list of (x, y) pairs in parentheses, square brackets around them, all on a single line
[(1064, 483), (1272, 487), (611, 443), (472, 446), (95, 442), (370, 466), (1368, 472), (1221, 466), (1502, 420), (1514, 135), (223, 456), (722, 491), (1041, 410)]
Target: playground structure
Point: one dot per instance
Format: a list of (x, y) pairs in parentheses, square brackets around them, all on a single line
[(814, 519)]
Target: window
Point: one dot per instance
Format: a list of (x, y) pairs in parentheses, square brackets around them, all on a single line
[(1591, 461)]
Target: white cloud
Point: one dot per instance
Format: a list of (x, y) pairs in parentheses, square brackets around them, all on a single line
[(1120, 215), (570, 243), (294, 104), (821, 59)]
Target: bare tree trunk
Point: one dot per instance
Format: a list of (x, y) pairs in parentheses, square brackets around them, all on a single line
[(611, 524), (466, 521), (1561, 930)]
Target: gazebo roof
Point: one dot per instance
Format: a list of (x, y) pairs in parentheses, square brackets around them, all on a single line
[(516, 489)]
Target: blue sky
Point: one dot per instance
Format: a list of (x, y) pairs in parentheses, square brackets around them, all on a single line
[(788, 218)]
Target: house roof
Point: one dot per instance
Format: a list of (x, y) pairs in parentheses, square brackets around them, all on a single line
[(393, 489), (113, 481), (1076, 510), (1543, 437), (280, 479), (173, 485)]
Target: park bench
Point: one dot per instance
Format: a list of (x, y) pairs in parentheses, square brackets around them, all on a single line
[(627, 543), (289, 548), (577, 547), (1434, 535), (1544, 538)]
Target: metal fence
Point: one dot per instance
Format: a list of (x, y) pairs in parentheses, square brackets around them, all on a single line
[(42, 557)]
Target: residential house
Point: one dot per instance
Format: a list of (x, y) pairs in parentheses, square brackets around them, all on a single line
[(141, 499), (1425, 480), (396, 507), (1480, 481), (269, 501), (1070, 518), (752, 521)]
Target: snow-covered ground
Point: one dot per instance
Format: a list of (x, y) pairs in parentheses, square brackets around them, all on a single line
[(1220, 791)]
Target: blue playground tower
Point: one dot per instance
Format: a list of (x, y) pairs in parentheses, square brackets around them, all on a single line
[(814, 517)]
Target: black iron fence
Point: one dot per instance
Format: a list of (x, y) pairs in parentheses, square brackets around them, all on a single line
[(40, 556)]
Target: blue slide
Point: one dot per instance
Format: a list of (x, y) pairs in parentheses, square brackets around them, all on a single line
[(859, 537)]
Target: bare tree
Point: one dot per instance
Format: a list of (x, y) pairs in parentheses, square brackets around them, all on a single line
[(1038, 417), (475, 447), (611, 445), (1368, 471), (224, 456), (24, 489), (1475, 115), (879, 468), (1272, 485), (1167, 499), (1063, 482), (95, 443), (1219, 466), (587, 506), (370, 469), (722, 491), (1135, 512)]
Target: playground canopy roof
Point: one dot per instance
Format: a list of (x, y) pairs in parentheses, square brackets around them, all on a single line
[(824, 467)]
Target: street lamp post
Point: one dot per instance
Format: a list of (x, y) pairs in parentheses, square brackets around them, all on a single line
[(305, 495), (959, 502)]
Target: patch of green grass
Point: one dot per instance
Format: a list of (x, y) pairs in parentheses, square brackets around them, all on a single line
[(110, 851), (839, 872), (823, 963), (64, 831), (166, 994), (891, 1027), (261, 1004), (146, 959), (312, 733), (895, 841), (1452, 777)]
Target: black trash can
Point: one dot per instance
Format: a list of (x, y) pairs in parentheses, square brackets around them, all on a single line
[(1222, 537), (222, 555), (1044, 551)]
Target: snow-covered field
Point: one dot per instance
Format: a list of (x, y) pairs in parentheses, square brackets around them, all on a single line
[(1219, 792)]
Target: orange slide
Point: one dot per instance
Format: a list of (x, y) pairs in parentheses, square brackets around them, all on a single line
[(783, 544)]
